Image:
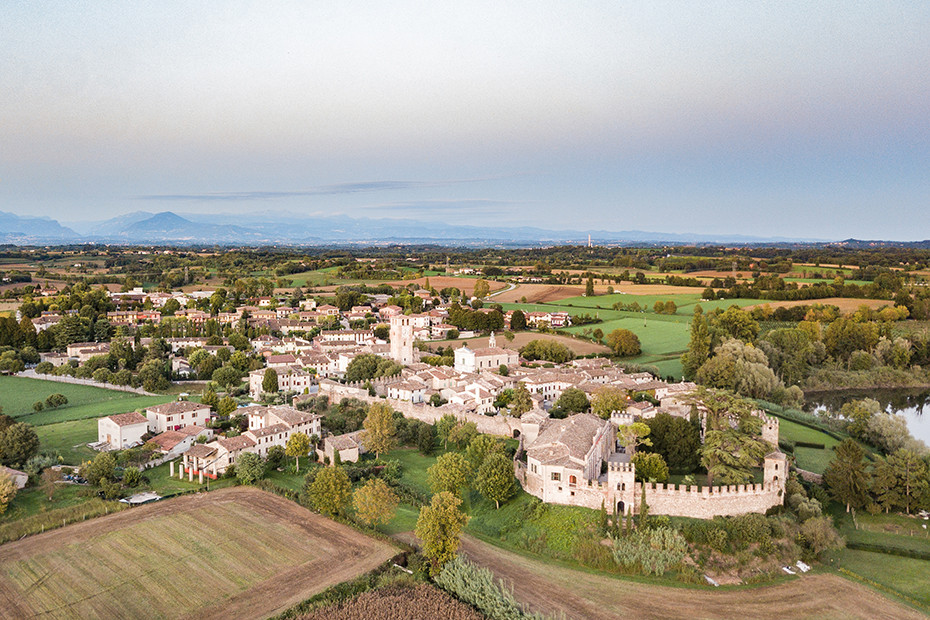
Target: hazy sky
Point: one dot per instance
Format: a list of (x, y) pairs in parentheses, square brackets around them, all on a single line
[(804, 119)]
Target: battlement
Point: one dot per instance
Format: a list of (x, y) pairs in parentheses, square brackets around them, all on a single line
[(620, 467)]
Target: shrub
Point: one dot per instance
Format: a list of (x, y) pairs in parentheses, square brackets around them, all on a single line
[(655, 550), (477, 587)]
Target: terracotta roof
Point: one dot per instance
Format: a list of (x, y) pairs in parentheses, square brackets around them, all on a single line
[(179, 406), (168, 440), (342, 442), (201, 451), (268, 430), (235, 443), (125, 419), (292, 417)]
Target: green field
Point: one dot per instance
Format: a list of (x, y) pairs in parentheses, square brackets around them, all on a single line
[(905, 577), (17, 395), (69, 439), (810, 459)]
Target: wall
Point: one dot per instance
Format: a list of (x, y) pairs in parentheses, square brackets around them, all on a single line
[(708, 502)]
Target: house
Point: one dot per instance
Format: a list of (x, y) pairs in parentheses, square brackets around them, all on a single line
[(20, 478), (290, 379), (177, 442), (83, 351), (177, 415), (123, 430), (348, 446)]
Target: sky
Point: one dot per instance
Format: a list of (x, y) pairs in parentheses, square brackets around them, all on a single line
[(783, 118)]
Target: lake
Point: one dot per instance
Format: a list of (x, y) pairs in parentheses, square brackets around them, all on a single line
[(914, 404)]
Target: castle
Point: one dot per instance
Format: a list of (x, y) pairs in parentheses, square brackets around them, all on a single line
[(575, 462)]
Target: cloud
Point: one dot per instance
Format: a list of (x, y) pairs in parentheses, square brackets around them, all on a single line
[(322, 190)]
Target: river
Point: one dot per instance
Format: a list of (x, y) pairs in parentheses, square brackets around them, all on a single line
[(914, 404)]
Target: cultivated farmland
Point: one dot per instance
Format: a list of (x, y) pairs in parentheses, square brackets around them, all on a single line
[(231, 553)]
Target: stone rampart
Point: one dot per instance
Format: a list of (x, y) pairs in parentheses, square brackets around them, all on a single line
[(708, 502), (491, 425)]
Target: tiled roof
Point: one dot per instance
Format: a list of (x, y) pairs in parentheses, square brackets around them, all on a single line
[(179, 406), (125, 419)]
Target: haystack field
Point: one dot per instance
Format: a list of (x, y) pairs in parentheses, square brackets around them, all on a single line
[(233, 553)]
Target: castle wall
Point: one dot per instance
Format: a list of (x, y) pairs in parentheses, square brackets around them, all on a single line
[(708, 502)]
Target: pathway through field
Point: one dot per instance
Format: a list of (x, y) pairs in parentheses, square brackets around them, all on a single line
[(555, 590)]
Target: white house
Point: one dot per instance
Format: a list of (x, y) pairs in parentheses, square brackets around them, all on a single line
[(123, 430), (177, 415), (489, 358)]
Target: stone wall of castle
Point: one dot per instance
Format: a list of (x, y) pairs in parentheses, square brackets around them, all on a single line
[(709, 502)]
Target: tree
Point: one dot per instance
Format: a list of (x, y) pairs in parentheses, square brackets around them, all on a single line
[(846, 476), (426, 439), (698, 346), (739, 367), (859, 412), (56, 400), (250, 468), (462, 435), (210, 399), (444, 426), (521, 401), (449, 473), (298, 445), (101, 469), (677, 440), (633, 435), (495, 478), (572, 400), (270, 381), (518, 321), (650, 467), (549, 350), (910, 475), (227, 377), (624, 343), (482, 289), (589, 287), (331, 491), (729, 455), (50, 478), (226, 406), (480, 448), (18, 444), (380, 434), (438, 528), (38, 406), (368, 366), (607, 399), (375, 502), (7, 490)]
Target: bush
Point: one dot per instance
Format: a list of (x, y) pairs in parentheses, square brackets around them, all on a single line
[(654, 550), (478, 587)]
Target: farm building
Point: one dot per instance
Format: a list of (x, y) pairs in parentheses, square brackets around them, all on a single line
[(122, 430)]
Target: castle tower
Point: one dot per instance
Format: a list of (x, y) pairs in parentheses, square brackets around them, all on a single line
[(621, 484), (492, 341), (775, 470), (402, 339)]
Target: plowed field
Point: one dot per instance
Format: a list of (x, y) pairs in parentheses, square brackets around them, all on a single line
[(232, 553)]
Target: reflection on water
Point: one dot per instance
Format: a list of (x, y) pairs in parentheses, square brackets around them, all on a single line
[(913, 404)]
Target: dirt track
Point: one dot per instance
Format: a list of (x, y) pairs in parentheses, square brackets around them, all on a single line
[(340, 554), (576, 594)]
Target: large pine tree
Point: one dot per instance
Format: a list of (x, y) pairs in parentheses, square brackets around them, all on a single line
[(846, 476)]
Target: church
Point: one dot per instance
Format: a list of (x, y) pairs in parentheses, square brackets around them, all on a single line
[(490, 358)]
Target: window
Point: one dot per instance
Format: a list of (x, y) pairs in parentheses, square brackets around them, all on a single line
[(572, 480), (556, 476)]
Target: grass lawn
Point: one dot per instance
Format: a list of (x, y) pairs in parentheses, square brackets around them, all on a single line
[(32, 501), (905, 577), (414, 466), (68, 439), (17, 394), (889, 530), (811, 459)]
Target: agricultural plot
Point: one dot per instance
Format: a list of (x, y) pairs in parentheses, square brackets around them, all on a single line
[(17, 395), (227, 554), (845, 304)]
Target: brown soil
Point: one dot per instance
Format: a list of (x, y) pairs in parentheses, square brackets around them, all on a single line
[(344, 554), (466, 285), (580, 347), (544, 293), (845, 304), (555, 590), (400, 603)]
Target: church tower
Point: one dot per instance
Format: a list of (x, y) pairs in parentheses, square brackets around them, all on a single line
[(492, 341)]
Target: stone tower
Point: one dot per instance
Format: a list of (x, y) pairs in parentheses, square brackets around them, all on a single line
[(621, 483), (775, 470), (402, 339), (492, 341)]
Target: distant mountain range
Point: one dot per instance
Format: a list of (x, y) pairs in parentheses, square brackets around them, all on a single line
[(167, 228)]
